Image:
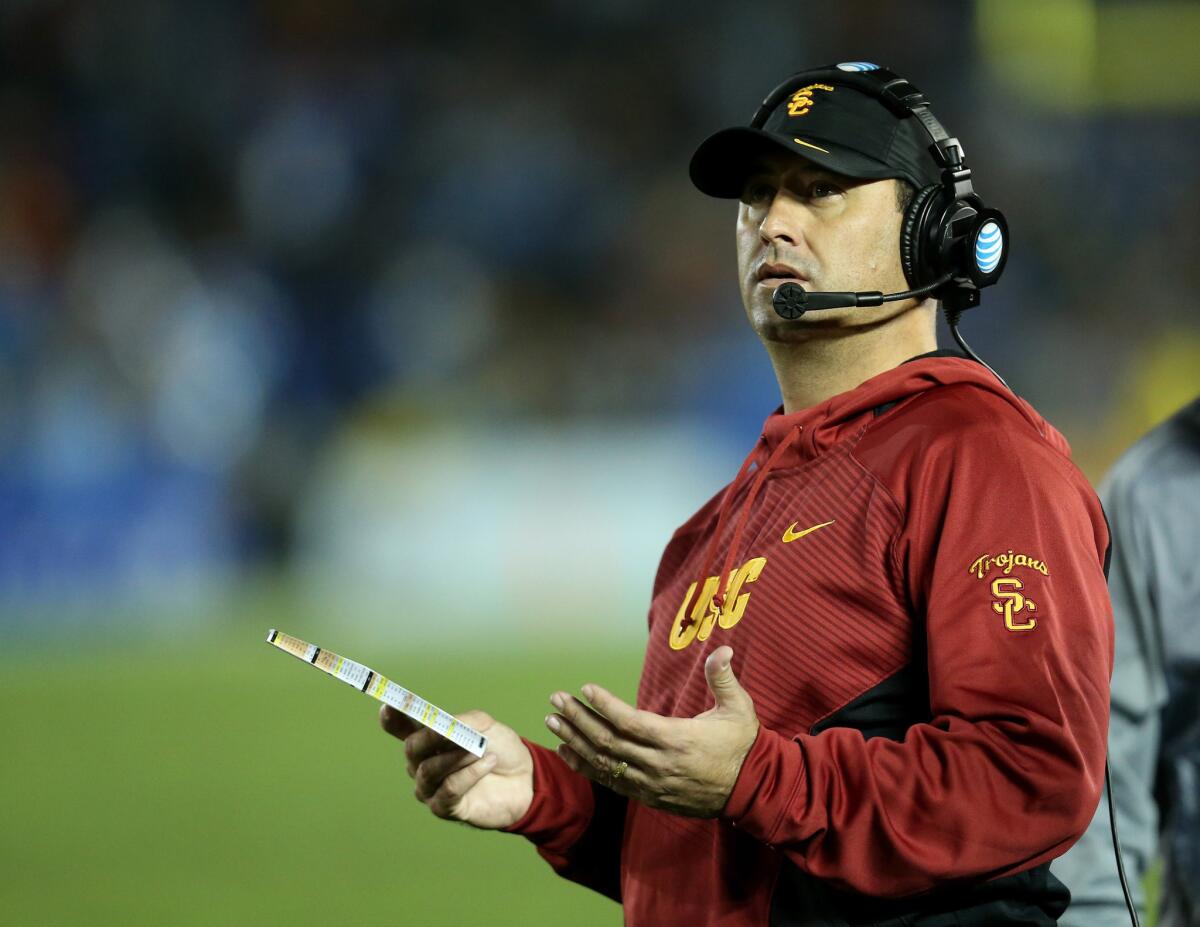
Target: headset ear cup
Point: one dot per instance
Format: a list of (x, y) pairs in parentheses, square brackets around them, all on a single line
[(911, 234)]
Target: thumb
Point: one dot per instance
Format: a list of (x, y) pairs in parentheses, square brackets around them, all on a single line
[(723, 684)]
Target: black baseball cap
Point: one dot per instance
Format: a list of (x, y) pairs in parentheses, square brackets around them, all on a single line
[(831, 123)]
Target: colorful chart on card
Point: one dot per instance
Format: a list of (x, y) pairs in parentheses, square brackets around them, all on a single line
[(371, 683)]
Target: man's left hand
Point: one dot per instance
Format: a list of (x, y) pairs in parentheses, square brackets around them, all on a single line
[(683, 765)]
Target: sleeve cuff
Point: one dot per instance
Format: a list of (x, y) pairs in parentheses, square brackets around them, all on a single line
[(773, 778), (562, 803)]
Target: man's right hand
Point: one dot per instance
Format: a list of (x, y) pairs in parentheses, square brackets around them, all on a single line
[(492, 792)]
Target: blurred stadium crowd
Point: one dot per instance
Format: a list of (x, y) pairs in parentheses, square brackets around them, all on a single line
[(238, 238)]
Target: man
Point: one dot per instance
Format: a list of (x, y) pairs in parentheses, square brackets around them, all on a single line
[(875, 687), (1152, 497)]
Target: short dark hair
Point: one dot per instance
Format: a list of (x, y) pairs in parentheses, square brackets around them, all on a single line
[(905, 192)]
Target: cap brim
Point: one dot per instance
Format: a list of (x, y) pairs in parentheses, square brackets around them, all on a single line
[(725, 160)]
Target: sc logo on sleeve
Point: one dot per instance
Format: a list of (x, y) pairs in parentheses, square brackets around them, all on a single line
[(1010, 603), (1007, 596)]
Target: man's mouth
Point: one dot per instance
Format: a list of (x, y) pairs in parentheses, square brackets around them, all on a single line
[(775, 274)]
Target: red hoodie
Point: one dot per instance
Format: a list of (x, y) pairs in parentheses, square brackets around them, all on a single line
[(917, 605)]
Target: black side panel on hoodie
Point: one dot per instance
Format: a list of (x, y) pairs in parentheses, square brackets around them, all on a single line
[(1032, 897)]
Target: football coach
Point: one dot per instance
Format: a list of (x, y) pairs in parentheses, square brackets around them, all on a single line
[(875, 688)]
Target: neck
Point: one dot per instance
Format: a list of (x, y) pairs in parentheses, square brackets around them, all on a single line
[(833, 360)]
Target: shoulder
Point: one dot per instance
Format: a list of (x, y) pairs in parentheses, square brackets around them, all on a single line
[(1157, 466), (967, 435), (1153, 490), (960, 419)]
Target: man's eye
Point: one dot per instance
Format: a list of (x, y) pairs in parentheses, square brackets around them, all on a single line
[(822, 189), (757, 192)]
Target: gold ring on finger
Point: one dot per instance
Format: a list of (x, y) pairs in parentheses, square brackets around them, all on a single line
[(619, 771)]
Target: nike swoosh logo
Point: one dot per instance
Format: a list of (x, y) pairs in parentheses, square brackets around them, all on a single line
[(793, 535)]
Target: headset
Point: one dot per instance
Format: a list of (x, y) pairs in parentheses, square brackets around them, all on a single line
[(951, 244)]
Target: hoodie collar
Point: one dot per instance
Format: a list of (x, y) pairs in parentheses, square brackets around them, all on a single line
[(825, 424), (790, 440)]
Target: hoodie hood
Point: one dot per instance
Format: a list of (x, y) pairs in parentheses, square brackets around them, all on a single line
[(795, 438), (824, 425)]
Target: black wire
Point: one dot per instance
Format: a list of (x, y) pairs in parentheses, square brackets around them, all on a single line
[(1112, 820), (952, 317)]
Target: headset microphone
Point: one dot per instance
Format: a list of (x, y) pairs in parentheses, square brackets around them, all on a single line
[(791, 300)]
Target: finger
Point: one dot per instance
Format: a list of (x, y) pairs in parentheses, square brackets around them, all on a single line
[(424, 744), (395, 722), (445, 800), (633, 782), (573, 759), (600, 760), (580, 746), (577, 763), (644, 726), (600, 732), (431, 773)]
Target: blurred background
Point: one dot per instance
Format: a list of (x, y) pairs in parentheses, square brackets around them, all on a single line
[(345, 318)]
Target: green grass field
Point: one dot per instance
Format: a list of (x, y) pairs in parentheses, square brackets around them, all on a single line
[(224, 783), (229, 785)]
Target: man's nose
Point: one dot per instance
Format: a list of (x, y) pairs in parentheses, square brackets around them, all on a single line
[(783, 221)]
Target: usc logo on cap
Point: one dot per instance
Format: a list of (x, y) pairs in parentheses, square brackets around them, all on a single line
[(801, 101)]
